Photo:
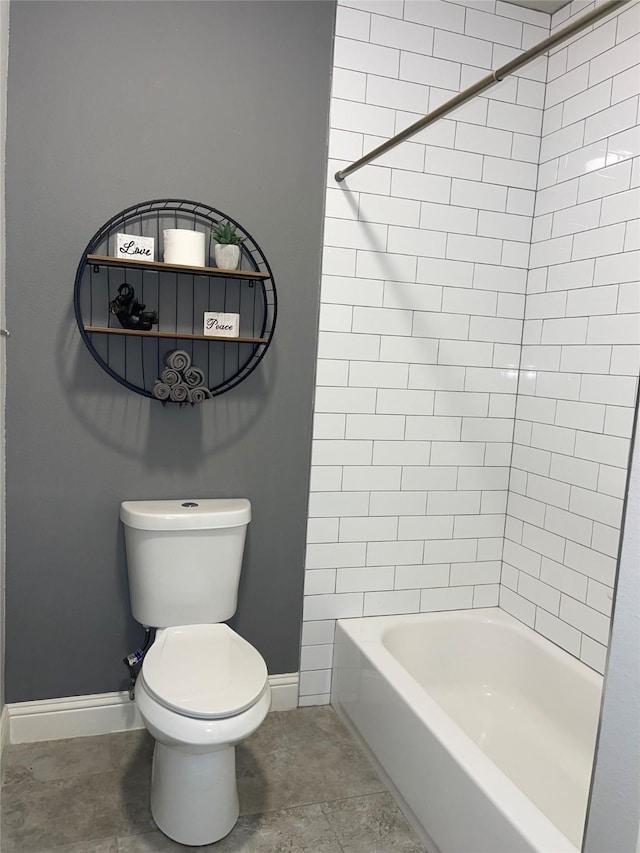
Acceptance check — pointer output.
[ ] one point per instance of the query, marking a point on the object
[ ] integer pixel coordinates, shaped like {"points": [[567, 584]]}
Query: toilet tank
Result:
{"points": [[184, 559]]}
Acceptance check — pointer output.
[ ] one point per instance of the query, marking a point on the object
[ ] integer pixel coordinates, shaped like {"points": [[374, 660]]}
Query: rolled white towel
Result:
{"points": [[161, 390], [170, 376], [177, 359], [193, 376], [179, 393]]}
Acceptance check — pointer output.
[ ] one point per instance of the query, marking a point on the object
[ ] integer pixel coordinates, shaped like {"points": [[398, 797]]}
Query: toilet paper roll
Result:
{"points": [[183, 247]]}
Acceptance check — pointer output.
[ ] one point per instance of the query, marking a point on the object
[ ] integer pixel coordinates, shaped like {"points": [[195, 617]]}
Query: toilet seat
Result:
{"points": [[204, 671]]}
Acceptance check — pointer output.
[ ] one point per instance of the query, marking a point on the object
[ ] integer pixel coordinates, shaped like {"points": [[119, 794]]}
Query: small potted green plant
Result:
{"points": [[227, 247]]}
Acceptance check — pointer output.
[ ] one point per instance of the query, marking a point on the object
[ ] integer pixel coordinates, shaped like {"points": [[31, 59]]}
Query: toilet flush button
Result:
{"points": [[189, 503]]}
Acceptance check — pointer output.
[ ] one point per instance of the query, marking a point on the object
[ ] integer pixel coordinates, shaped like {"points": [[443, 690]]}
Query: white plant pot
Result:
{"points": [[227, 256]]}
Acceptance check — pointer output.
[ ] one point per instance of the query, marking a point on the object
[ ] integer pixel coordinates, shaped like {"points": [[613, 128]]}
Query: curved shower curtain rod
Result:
{"points": [[484, 83]]}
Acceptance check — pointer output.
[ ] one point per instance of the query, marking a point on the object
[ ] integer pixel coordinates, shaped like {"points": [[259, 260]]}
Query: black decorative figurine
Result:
{"points": [[130, 312]]}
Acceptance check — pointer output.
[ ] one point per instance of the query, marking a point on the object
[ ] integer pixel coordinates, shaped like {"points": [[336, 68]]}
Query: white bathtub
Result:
{"points": [[485, 729]]}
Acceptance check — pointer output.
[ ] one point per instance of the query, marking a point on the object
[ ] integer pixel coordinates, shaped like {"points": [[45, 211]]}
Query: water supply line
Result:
{"points": [[133, 662], [484, 83]]}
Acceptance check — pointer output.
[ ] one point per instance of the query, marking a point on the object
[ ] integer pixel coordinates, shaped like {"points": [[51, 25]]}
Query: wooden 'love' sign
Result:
{"points": [[130, 246]]}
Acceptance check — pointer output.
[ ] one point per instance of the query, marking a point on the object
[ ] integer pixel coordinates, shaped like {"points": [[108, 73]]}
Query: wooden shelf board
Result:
{"points": [[105, 260], [180, 335]]}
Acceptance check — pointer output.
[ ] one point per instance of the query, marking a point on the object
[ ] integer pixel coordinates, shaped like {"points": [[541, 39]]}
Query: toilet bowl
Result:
{"points": [[202, 690]]}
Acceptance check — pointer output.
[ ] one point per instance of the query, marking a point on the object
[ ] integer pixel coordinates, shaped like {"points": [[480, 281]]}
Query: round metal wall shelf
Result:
{"points": [[180, 295]]}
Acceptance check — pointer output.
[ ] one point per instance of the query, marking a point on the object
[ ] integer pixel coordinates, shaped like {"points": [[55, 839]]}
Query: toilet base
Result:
{"points": [[194, 796]]}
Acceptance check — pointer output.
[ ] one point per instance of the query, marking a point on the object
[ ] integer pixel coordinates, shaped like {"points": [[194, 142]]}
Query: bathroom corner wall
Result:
{"points": [[613, 821], [4, 56], [424, 276], [580, 358]]}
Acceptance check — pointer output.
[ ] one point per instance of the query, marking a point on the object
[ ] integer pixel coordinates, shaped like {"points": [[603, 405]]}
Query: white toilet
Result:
{"points": [[202, 688]]}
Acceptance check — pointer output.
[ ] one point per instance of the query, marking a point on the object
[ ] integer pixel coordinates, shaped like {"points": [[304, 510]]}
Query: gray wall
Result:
{"points": [[110, 104]]}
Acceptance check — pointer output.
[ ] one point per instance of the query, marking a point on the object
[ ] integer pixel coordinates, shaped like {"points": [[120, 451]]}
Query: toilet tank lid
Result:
{"points": [[186, 514]]}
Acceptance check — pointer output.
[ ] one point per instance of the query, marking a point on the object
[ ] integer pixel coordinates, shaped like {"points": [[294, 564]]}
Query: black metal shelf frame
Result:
{"points": [[180, 295]]}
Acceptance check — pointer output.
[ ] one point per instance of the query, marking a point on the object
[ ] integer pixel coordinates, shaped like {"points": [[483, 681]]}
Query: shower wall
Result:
{"points": [[580, 357], [424, 278]]}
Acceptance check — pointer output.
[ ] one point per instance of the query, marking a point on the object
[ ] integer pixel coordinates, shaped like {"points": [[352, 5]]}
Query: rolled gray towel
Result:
{"points": [[170, 376], [179, 393], [193, 376], [161, 390], [198, 395], [177, 359]]}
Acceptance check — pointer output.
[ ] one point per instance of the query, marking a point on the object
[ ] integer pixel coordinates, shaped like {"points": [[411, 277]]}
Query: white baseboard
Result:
{"points": [[72, 716], [4, 739], [103, 713], [284, 691]]}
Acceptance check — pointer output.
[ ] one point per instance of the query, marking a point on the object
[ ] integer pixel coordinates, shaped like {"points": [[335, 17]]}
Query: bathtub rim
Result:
{"points": [[514, 806]]}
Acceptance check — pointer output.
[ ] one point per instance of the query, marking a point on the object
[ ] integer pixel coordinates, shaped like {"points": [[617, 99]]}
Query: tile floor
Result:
{"points": [[304, 784]]}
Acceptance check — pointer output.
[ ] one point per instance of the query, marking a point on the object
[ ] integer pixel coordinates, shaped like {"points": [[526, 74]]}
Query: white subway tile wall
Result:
{"points": [[575, 400], [426, 267], [424, 278]]}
